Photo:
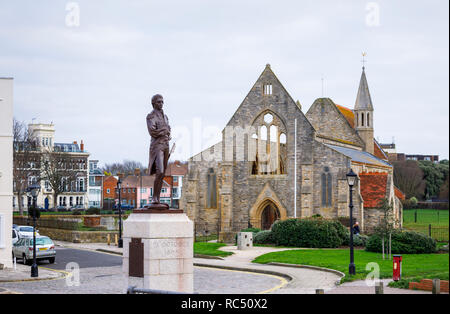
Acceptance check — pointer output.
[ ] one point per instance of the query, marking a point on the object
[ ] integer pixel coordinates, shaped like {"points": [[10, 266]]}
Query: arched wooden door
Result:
{"points": [[269, 215]]}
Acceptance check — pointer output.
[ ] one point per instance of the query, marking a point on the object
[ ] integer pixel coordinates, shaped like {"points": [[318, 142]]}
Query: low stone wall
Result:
{"points": [[78, 236], [66, 223], [65, 227]]}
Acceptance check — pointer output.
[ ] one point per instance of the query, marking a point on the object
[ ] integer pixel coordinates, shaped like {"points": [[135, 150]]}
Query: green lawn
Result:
{"points": [[426, 217], [439, 220], [414, 265], [211, 249]]}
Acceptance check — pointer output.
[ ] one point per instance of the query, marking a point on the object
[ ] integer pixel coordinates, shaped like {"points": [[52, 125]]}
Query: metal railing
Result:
{"points": [[134, 290]]}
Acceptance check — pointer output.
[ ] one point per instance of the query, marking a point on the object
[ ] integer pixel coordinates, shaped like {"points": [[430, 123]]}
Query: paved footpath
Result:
{"points": [[297, 280], [280, 279]]}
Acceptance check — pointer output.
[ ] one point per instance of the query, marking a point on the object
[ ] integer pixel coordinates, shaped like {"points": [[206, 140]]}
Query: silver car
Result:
{"points": [[15, 236], [45, 249], [26, 231]]}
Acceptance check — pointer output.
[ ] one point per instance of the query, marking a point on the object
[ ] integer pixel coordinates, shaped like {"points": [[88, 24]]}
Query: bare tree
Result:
{"points": [[62, 171], [26, 160], [408, 177], [386, 225], [127, 166]]}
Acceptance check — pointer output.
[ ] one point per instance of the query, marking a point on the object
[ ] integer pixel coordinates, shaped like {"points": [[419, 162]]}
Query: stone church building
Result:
{"points": [[277, 162]]}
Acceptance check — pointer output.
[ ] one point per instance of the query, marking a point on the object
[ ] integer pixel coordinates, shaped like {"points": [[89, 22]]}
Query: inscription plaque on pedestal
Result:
{"points": [[136, 264]]}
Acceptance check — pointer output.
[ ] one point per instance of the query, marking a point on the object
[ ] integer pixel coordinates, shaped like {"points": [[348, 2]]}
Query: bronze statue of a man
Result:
{"points": [[159, 129]]}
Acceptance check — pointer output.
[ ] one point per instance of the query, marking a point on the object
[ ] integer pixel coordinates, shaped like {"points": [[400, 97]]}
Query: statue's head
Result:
{"points": [[157, 101]]}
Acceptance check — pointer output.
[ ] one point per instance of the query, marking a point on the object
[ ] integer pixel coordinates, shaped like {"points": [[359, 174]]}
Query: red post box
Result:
{"points": [[397, 268]]}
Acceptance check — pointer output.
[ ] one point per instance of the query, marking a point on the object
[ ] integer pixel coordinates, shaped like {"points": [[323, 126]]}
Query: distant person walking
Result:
{"points": [[356, 228]]}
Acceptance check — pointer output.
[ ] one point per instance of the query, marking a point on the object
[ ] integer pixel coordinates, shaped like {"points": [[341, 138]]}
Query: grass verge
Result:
{"points": [[211, 249], [414, 265]]}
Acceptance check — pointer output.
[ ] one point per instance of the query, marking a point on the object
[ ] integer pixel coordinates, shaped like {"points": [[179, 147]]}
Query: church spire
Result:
{"points": [[364, 113], [363, 99]]}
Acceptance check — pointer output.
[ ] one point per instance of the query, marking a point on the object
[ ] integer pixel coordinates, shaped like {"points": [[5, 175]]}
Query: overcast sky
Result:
{"points": [[93, 74]]}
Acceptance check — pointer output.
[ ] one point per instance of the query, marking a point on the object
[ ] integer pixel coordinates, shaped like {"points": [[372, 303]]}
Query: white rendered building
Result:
{"points": [[6, 170], [75, 192]]}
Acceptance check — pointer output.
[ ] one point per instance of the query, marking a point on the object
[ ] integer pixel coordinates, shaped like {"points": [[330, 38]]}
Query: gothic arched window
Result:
{"points": [[270, 144], [326, 189], [211, 196]]}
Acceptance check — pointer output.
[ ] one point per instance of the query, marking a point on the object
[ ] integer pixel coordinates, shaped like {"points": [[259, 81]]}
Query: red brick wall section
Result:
{"points": [[427, 285], [111, 184]]}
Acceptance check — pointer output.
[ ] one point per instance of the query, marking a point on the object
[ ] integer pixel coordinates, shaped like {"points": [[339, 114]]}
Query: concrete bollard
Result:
{"points": [[108, 239], [244, 240], [436, 286], [116, 240], [379, 288]]}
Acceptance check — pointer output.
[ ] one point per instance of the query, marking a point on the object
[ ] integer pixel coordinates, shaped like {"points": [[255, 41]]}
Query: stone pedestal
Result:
{"points": [[158, 250], [244, 240]]}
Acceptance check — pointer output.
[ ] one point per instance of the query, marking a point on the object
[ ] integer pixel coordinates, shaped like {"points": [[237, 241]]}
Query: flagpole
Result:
{"points": [[295, 169]]}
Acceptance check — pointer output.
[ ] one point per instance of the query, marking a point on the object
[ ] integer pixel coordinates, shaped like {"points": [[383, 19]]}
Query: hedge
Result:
{"points": [[358, 240], [310, 232], [403, 242], [263, 237]]}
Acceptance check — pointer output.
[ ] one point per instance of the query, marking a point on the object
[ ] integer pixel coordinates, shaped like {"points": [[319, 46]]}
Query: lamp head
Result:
{"points": [[351, 178], [34, 189]]}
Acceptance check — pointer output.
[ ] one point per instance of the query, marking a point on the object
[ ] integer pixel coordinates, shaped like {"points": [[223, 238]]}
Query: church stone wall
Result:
{"points": [[329, 122], [239, 191], [326, 160], [247, 187]]}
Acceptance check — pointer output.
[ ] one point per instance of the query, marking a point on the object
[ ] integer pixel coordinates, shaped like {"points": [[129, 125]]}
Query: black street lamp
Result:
{"points": [[351, 180], [34, 191], [119, 186]]}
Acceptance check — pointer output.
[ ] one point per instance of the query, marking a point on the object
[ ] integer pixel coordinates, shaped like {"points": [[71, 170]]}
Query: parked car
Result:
{"points": [[26, 231], [124, 207], [15, 236], [43, 210], [77, 207], [61, 208], [45, 249], [15, 226]]}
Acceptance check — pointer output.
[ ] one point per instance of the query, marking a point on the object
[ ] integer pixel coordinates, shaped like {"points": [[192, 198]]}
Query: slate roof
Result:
{"points": [[67, 147], [360, 156]]}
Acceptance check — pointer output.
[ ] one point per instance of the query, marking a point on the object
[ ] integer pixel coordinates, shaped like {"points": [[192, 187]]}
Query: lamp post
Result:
{"points": [[34, 191], [119, 186], [351, 180]]}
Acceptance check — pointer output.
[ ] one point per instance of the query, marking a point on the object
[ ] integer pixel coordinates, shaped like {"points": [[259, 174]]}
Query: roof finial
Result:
{"points": [[364, 60], [322, 85]]}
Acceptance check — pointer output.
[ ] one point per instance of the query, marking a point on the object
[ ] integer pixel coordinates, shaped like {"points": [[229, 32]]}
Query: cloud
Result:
{"points": [[95, 81]]}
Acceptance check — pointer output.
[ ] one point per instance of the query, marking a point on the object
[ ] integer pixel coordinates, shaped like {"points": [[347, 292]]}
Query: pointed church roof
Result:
{"points": [[350, 116], [363, 99]]}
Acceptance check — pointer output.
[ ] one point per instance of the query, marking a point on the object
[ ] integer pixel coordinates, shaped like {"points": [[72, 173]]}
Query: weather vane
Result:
{"points": [[364, 59]]}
